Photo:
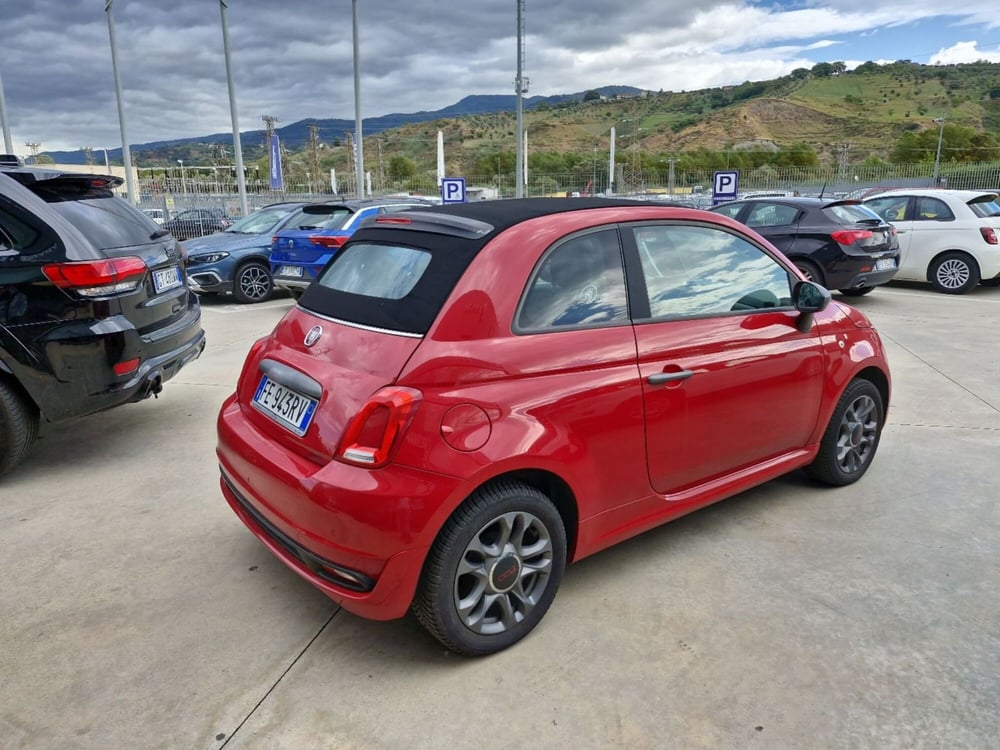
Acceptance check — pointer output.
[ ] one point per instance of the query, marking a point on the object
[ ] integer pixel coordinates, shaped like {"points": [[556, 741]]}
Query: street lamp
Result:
{"points": [[937, 156], [184, 186]]}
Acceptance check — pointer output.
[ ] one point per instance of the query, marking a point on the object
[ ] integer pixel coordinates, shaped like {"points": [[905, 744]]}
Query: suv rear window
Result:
{"points": [[320, 217], [102, 217]]}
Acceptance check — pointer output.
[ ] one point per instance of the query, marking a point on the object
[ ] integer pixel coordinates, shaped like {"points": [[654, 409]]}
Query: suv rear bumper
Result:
{"points": [[76, 377]]}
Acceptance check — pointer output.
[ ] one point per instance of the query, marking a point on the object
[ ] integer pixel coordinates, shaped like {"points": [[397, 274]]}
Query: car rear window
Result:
{"points": [[851, 213], [391, 279], [110, 222], [320, 217], [377, 271], [985, 208]]}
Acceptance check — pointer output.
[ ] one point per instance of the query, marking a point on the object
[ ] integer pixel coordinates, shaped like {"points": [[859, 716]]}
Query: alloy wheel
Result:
{"points": [[503, 573], [254, 283], [858, 434]]}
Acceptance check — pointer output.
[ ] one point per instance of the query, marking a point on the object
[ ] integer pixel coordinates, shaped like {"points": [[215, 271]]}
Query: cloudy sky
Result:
{"points": [[293, 58]]}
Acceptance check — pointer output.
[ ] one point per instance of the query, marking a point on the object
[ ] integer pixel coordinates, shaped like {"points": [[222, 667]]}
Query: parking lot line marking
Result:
{"points": [[931, 293]]}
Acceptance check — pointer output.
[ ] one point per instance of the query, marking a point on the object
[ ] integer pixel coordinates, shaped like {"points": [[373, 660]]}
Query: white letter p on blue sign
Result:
{"points": [[453, 190]]}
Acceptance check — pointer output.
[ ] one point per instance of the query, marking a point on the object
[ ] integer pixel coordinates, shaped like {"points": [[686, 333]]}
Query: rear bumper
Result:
{"points": [[288, 283], [862, 279], [359, 535]]}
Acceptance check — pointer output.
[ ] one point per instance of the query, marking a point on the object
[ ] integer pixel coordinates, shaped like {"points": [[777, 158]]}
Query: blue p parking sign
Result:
{"points": [[453, 190], [725, 186]]}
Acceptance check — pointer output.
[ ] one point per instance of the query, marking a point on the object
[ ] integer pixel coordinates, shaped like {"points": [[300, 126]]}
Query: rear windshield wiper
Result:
{"points": [[158, 234]]}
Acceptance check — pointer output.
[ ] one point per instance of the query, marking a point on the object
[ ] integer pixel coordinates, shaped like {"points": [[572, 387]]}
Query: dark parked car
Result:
{"points": [[197, 222], [472, 396], [94, 308], [840, 244], [237, 260], [298, 253]]}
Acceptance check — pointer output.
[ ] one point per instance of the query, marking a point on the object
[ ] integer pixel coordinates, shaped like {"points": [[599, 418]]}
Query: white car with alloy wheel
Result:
{"points": [[950, 238]]}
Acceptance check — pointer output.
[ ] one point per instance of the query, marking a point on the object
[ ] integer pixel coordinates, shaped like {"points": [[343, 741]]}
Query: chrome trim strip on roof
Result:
{"points": [[362, 327]]}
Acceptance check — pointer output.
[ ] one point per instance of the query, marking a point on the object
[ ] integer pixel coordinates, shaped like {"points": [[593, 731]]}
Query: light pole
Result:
{"points": [[126, 153], [937, 156], [8, 143], [359, 161], [241, 184], [184, 186]]}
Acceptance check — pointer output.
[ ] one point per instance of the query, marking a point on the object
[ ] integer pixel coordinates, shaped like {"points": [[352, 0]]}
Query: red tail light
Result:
{"points": [[98, 278], [989, 234], [376, 430], [327, 241], [126, 367], [393, 220], [850, 236]]}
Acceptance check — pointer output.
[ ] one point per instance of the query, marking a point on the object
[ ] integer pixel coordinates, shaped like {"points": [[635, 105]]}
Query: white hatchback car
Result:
{"points": [[950, 238]]}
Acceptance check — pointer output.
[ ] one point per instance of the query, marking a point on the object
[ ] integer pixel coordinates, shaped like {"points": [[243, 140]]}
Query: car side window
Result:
{"points": [[771, 215], [892, 208], [581, 282], [695, 271], [16, 237], [933, 209]]}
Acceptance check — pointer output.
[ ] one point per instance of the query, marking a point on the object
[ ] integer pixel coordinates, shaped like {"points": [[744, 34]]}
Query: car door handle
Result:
{"points": [[668, 377]]}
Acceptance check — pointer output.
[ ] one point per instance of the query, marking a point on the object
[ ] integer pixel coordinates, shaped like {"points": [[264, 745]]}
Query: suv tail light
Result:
{"points": [[98, 278], [372, 435], [989, 234], [328, 241], [850, 236]]}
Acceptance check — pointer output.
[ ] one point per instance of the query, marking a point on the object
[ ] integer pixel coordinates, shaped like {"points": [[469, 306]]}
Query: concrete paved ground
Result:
{"points": [[138, 611]]}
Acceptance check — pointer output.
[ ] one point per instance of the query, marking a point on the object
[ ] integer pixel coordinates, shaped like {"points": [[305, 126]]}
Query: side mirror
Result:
{"points": [[808, 298]]}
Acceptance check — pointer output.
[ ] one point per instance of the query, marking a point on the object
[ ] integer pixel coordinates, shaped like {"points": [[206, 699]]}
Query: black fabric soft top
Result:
{"points": [[451, 253]]}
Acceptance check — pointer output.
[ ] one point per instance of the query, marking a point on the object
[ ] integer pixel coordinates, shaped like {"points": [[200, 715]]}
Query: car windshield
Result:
{"points": [[379, 271], [985, 208], [263, 221], [851, 213]]}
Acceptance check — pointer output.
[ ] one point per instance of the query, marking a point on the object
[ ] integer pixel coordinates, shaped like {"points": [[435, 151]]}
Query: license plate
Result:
{"points": [[885, 264], [291, 409], [289, 270], [166, 278]]}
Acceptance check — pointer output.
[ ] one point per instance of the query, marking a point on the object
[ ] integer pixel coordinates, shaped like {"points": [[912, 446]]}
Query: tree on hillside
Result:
{"points": [[822, 70], [402, 167], [591, 96]]}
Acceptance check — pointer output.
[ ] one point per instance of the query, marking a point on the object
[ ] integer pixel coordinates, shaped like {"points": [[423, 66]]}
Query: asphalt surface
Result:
{"points": [[138, 612]]}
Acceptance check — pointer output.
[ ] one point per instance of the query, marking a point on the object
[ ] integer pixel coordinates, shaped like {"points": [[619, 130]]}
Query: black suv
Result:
{"points": [[94, 306]]}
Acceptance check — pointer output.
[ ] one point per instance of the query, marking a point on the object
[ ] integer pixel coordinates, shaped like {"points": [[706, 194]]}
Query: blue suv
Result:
{"points": [[299, 253], [236, 260]]}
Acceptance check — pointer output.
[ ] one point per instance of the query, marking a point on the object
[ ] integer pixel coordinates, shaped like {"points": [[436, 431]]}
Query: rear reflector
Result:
{"points": [[850, 236], [393, 220], [327, 241], [129, 365], [989, 234], [98, 278], [373, 434]]}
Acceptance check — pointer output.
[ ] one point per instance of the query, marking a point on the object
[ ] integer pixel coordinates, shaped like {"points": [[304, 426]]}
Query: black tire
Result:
{"points": [[857, 292], [810, 270], [852, 436], [954, 273], [18, 425], [252, 283], [494, 569]]}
